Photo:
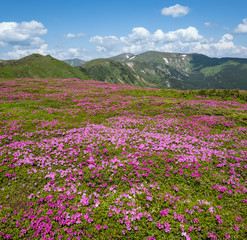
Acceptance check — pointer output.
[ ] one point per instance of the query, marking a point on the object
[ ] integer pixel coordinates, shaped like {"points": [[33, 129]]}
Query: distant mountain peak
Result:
{"points": [[75, 62], [123, 57], [32, 56]]}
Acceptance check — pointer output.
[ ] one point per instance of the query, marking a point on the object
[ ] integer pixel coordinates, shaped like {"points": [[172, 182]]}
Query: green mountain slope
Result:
{"points": [[176, 70], [111, 71], [38, 66], [123, 57], [181, 62], [149, 69], [225, 73]]}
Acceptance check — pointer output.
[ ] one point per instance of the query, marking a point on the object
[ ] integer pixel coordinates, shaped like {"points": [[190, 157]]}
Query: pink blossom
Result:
{"points": [[236, 228], [97, 227], [149, 198], [195, 220], [164, 212], [190, 228], [160, 226], [211, 209], [227, 235], [239, 219], [151, 238], [167, 227], [84, 200]]}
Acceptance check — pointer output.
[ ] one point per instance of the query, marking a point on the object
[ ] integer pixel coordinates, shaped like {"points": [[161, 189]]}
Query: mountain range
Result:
{"points": [[170, 70], [149, 69]]}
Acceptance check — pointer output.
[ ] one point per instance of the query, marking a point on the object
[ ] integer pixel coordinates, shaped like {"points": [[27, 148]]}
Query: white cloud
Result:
{"points": [[71, 53], [176, 11], [105, 40], [159, 35], [185, 40], [242, 27], [138, 34], [101, 49], [187, 35], [105, 44], [227, 38], [24, 33], [19, 52], [72, 35], [141, 36], [76, 52], [22, 39]]}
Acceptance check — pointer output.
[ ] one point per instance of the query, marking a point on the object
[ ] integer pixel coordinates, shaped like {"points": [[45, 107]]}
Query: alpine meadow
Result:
{"points": [[123, 120], [83, 159]]}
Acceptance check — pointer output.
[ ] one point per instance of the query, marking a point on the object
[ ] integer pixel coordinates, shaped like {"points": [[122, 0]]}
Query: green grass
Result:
{"points": [[38, 66], [210, 71]]}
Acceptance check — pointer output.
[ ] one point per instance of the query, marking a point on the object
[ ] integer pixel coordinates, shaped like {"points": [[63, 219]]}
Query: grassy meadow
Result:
{"points": [[91, 160]]}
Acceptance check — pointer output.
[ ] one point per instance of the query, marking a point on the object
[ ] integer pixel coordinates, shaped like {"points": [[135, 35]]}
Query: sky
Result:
{"points": [[89, 29]]}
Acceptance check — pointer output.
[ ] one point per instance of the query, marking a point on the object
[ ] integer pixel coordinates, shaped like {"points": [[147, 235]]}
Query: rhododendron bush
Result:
{"points": [[91, 160]]}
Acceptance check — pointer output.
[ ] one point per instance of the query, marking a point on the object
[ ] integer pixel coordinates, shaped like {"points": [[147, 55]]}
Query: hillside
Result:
{"points": [[84, 159], [149, 69], [175, 70], [38, 66], [123, 57], [111, 71]]}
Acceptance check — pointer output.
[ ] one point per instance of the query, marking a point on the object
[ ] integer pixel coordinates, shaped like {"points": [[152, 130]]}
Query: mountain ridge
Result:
{"points": [[182, 71], [149, 69]]}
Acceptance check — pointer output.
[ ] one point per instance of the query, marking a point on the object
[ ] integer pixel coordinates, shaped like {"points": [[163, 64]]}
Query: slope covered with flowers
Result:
{"points": [[90, 160]]}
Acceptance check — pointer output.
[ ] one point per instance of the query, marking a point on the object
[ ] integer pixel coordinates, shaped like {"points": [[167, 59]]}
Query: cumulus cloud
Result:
{"points": [[24, 33], [242, 27], [138, 34], [22, 39], [184, 40], [189, 34], [73, 35], [176, 11], [71, 53], [19, 52], [105, 44]]}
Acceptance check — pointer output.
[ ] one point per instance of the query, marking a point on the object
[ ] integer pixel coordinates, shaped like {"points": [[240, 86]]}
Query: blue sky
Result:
{"points": [[90, 29]]}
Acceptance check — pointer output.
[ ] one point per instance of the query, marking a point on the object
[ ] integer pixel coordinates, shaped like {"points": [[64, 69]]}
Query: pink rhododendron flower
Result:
{"points": [[236, 228], [167, 227], [160, 226], [84, 200]]}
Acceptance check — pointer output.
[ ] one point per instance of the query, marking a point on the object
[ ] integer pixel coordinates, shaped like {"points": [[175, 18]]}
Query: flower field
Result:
{"points": [[91, 160]]}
